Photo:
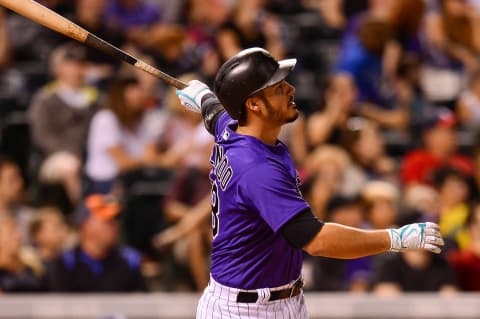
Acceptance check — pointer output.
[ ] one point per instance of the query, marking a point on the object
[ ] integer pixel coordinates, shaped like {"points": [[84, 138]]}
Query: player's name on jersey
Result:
{"points": [[223, 171]]}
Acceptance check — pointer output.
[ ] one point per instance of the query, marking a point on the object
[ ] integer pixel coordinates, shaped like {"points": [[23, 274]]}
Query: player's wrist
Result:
{"points": [[200, 95], [191, 96], [395, 239]]}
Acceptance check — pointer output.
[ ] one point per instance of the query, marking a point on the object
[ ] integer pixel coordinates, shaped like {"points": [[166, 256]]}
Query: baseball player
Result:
{"points": [[261, 224]]}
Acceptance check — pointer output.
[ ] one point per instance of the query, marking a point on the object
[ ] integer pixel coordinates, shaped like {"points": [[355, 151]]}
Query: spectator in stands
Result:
{"points": [[151, 85], [171, 9], [90, 14], [468, 104], [11, 195], [330, 11], [98, 263], [250, 26], [364, 10], [132, 15], [453, 189], [187, 143], [365, 143], [24, 48], [466, 262], [381, 204], [405, 17], [142, 23], [5, 49], [351, 9], [317, 192], [189, 149], [346, 210], [63, 7], [294, 135], [476, 165], [361, 56], [380, 200], [341, 275], [327, 125], [334, 165], [20, 269], [440, 149], [420, 202], [204, 18], [59, 116], [408, 84], [49, 233], [31, 44], [455, 32], [452, 45], [413, 271], [192, 249], [119, 139], [203, 23]]}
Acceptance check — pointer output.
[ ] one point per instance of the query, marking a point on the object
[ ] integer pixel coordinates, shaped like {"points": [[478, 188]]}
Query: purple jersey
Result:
{"points": [[254, 193]]}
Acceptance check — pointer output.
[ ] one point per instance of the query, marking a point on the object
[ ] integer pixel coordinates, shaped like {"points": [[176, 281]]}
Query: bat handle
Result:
{"points": [[175, 83], [170, 80]]}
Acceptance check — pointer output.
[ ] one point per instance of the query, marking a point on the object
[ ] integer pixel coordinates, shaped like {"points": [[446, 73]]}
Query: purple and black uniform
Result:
{"points": [[255, 191], [260, 221]]}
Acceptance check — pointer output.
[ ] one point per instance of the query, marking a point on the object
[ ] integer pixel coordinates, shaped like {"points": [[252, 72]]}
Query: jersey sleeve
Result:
{"points": [[221, 124], [270, 191], [211, 110]]}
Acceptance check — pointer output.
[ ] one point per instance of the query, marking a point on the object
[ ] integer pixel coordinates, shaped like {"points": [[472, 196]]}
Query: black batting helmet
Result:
{"points": [[245, 74]]}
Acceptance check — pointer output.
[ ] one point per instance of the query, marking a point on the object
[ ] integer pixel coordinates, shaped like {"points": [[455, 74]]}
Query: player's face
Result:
{"points": [[279, 105]]}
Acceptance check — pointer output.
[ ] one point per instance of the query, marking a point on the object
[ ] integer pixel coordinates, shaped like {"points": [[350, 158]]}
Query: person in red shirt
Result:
{"points": [[440, 149], [466, 263]]}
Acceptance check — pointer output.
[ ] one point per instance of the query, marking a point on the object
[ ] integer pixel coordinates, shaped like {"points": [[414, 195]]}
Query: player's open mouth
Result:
{"points": [[291, 103]]}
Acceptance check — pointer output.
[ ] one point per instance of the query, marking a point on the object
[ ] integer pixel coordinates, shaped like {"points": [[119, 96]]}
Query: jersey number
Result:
{"points": [[215, 210]]}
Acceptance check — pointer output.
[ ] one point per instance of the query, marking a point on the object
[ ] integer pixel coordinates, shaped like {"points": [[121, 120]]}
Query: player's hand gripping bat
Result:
{"points": [[42, 15]]}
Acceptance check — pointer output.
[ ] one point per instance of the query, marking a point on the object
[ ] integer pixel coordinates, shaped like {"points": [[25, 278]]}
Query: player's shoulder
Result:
{"points": [[248, 149], [221, 126], [265, 168]]}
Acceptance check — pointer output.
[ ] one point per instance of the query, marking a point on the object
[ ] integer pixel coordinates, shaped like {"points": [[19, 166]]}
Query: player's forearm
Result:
{"points": [[211, 110], [338, 241]]}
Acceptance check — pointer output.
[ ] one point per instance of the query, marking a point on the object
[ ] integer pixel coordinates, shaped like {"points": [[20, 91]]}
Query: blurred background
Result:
{"points": [[104, 176]]}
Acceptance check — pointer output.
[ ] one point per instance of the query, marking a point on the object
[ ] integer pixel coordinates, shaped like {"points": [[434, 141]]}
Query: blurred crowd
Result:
{"points": [[104, 176]]}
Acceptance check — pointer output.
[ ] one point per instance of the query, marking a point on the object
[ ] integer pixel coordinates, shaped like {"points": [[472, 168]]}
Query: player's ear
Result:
{"points": [[252, 103]]}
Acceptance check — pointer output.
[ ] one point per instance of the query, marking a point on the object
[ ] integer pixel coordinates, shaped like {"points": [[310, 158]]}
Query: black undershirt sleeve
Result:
{"points": [[211, 110], [301, 229]]}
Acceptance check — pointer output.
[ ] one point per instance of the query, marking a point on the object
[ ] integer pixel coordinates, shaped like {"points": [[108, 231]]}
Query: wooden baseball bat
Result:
{"points": [[42, 15]]}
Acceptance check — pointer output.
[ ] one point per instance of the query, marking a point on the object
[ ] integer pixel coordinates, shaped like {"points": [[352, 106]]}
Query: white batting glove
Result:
{"points": [[416, 236], [191, 96]]}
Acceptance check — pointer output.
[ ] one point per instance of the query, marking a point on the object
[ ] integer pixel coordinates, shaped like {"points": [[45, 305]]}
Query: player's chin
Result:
{"points": [[292, 117]]}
